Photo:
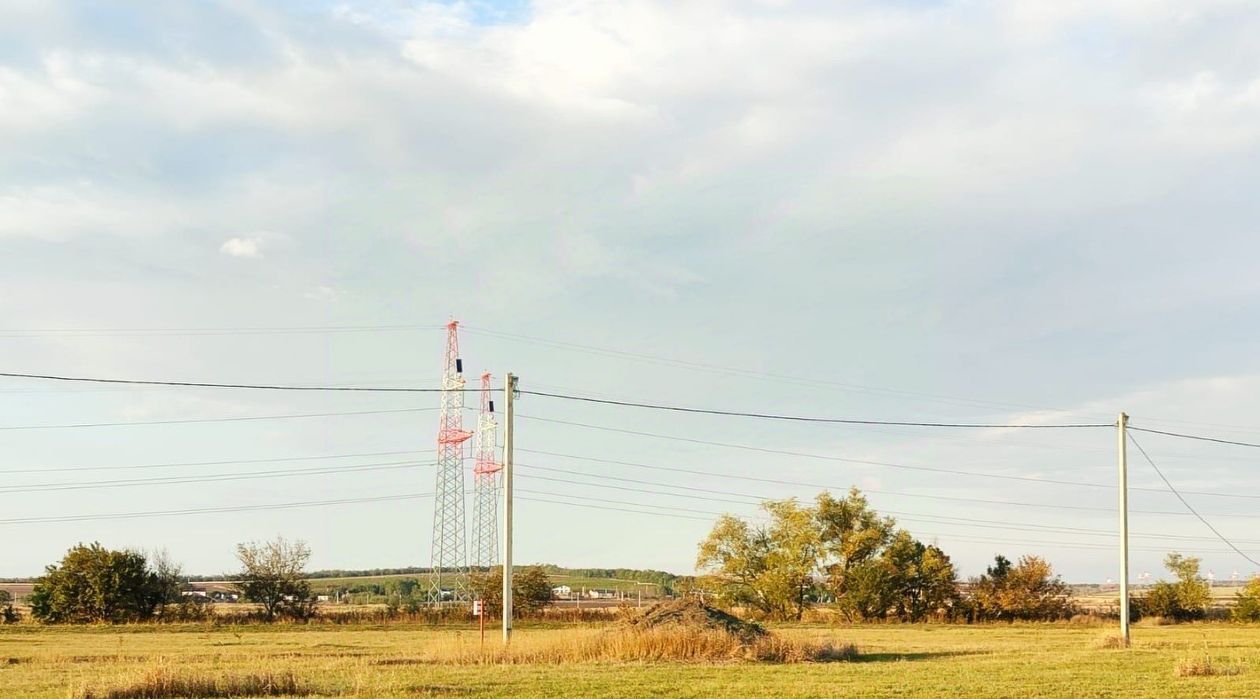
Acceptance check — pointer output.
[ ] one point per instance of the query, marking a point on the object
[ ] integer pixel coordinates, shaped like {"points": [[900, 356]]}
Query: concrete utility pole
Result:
{"points": [[1122, 437], [509, 434]]}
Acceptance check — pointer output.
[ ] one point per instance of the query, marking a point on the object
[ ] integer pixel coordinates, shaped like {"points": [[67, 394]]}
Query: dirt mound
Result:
{"points": [[689, 612]]}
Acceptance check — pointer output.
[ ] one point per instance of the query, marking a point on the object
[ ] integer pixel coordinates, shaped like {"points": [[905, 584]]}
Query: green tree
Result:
{"points": [[1248, 606], [869, 568], [924, 578], [95, 584], [531, 590], [868, 594], [909, 580], [769, 568], [273, 574], [851, 534], [1184, 600]]}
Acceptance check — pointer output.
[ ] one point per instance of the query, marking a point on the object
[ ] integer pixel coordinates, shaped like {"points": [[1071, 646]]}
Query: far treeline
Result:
{"points": [[840, 553], [93, 584]]}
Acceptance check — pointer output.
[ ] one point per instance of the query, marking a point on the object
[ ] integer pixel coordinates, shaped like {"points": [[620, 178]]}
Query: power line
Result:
{"points": [[605, 507], [622, 507], [863, 462], [799, 380], [1196, 437], [200, 384], [210, 510], [801, 418], [1190, 507], [867, 462], [198, 332], [747, 373], [562, 396], [781, 481], [208, 463], [964, 538], [214, 419], [905, 516], [179, 480]]}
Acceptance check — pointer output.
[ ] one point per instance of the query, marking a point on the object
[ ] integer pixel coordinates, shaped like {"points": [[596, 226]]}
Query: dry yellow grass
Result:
{"points": [[163, 681], [1111, 641], [1204, 667], [666, 644]]}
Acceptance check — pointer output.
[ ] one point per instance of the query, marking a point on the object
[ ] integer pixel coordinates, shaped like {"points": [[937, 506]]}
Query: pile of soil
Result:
{"points": [[690, 612]]}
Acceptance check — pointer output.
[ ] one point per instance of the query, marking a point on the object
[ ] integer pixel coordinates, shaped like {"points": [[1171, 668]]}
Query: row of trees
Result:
{"points": [[93, 584], [841, 551]]}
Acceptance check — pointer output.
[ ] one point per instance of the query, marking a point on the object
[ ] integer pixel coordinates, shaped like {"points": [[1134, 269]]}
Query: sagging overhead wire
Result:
{"points": [[563, 396], [224, 462], [865, 491], [179, 480], [199, 332], [210, 510], [807, 455], [802, 418], [903, 516], [204, 384], [867, 462], [1196, 437], [1190, 507], [690, 512], [189, 421]]}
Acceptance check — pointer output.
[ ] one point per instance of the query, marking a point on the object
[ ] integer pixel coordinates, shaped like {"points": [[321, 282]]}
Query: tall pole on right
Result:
{"points": [[1122, 444], [509, 435]]}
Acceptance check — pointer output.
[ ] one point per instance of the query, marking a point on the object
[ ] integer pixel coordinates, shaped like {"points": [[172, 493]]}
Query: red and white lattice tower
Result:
{"points": [[450, 564], [485, 537]]}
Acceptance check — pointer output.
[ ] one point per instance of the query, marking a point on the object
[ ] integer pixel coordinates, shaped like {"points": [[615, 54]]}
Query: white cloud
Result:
{"points": [[242, 247]]}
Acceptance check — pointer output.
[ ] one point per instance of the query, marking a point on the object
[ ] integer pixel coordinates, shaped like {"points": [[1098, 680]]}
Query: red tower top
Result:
{"points": [[451, 428], [487, 432]]}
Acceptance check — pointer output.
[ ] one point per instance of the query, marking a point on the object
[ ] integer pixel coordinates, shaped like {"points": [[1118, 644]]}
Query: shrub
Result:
{"points": [[1184, 600], [95, 584], [8, 614], [1111, 640], [1204, 667], [531, 590], [1248, 602], [1026, 591]]}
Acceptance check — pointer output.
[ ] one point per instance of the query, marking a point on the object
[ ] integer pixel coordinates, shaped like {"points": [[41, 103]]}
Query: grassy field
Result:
{"points": [[408, 661]]}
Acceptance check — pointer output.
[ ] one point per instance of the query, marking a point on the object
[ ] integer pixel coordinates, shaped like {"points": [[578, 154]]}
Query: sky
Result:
{"points": [[991, 212]]}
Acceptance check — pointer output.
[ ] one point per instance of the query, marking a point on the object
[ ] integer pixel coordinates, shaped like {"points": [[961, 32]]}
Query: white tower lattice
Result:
{"points": [[485, 539], [449, 580]]}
